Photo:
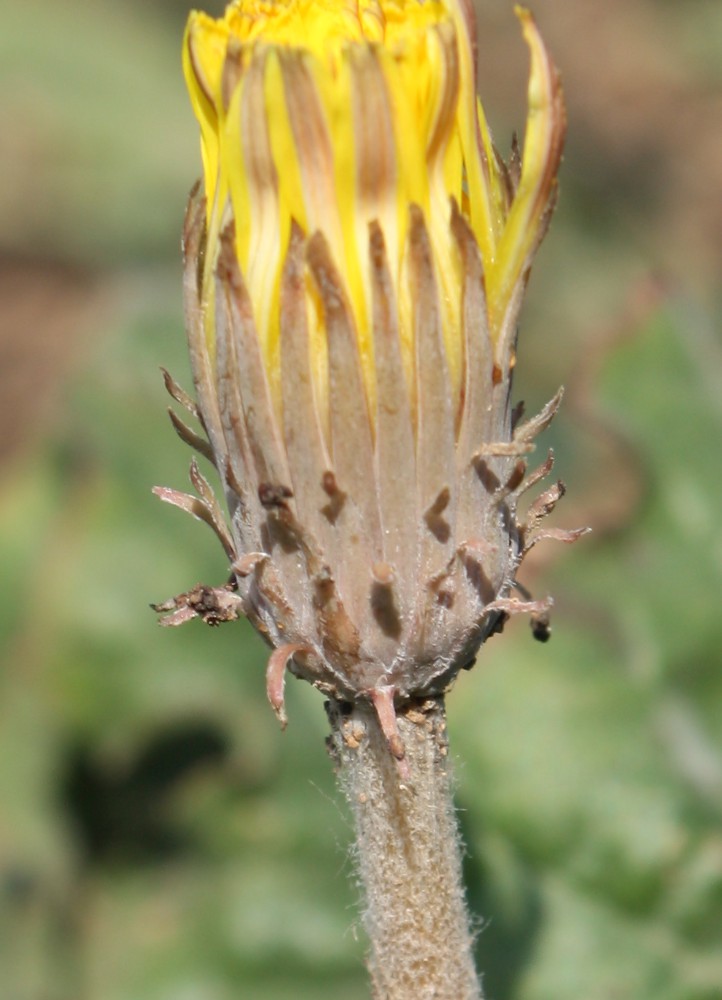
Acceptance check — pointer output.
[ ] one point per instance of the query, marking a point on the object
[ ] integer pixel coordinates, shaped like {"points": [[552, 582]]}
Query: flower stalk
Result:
{"points": [[408, 853]]}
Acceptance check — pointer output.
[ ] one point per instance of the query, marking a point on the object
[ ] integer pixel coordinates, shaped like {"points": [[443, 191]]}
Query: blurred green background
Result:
{"points": [[159, 837]]}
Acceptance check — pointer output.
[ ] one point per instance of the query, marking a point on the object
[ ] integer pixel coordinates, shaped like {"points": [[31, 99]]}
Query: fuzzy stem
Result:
{"points": [[408, 850]]}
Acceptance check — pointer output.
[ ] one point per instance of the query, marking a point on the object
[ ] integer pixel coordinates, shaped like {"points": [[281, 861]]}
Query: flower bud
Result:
{"points": [[353, 277]]}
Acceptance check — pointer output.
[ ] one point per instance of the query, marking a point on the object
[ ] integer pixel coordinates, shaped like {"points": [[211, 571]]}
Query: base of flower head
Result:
{"points": [[406, 683], [374, 551]]}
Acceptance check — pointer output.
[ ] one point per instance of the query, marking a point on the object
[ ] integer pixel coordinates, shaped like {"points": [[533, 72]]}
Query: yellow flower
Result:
{"points": [[353, 280], [336, 114]]}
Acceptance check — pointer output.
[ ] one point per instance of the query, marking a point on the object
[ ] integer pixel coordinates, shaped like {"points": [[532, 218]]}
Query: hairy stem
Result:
{"points": [[408, 853]]}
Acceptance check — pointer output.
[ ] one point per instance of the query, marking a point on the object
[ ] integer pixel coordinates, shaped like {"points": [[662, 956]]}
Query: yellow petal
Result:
{"points": [[543, 144], [204, 50]]}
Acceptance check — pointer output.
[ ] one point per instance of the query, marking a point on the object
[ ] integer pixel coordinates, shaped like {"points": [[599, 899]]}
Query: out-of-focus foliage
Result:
{"points": [[159, 837]]}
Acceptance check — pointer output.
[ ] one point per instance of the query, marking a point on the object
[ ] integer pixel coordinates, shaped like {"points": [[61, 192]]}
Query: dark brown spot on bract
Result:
{"points": [[438, 525], [336, 496], [384, 609], [274, 494], [516, 477], [489, 479]]}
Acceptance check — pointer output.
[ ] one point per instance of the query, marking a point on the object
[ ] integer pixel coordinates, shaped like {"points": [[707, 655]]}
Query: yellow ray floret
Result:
{"points": [[333, 114]]}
